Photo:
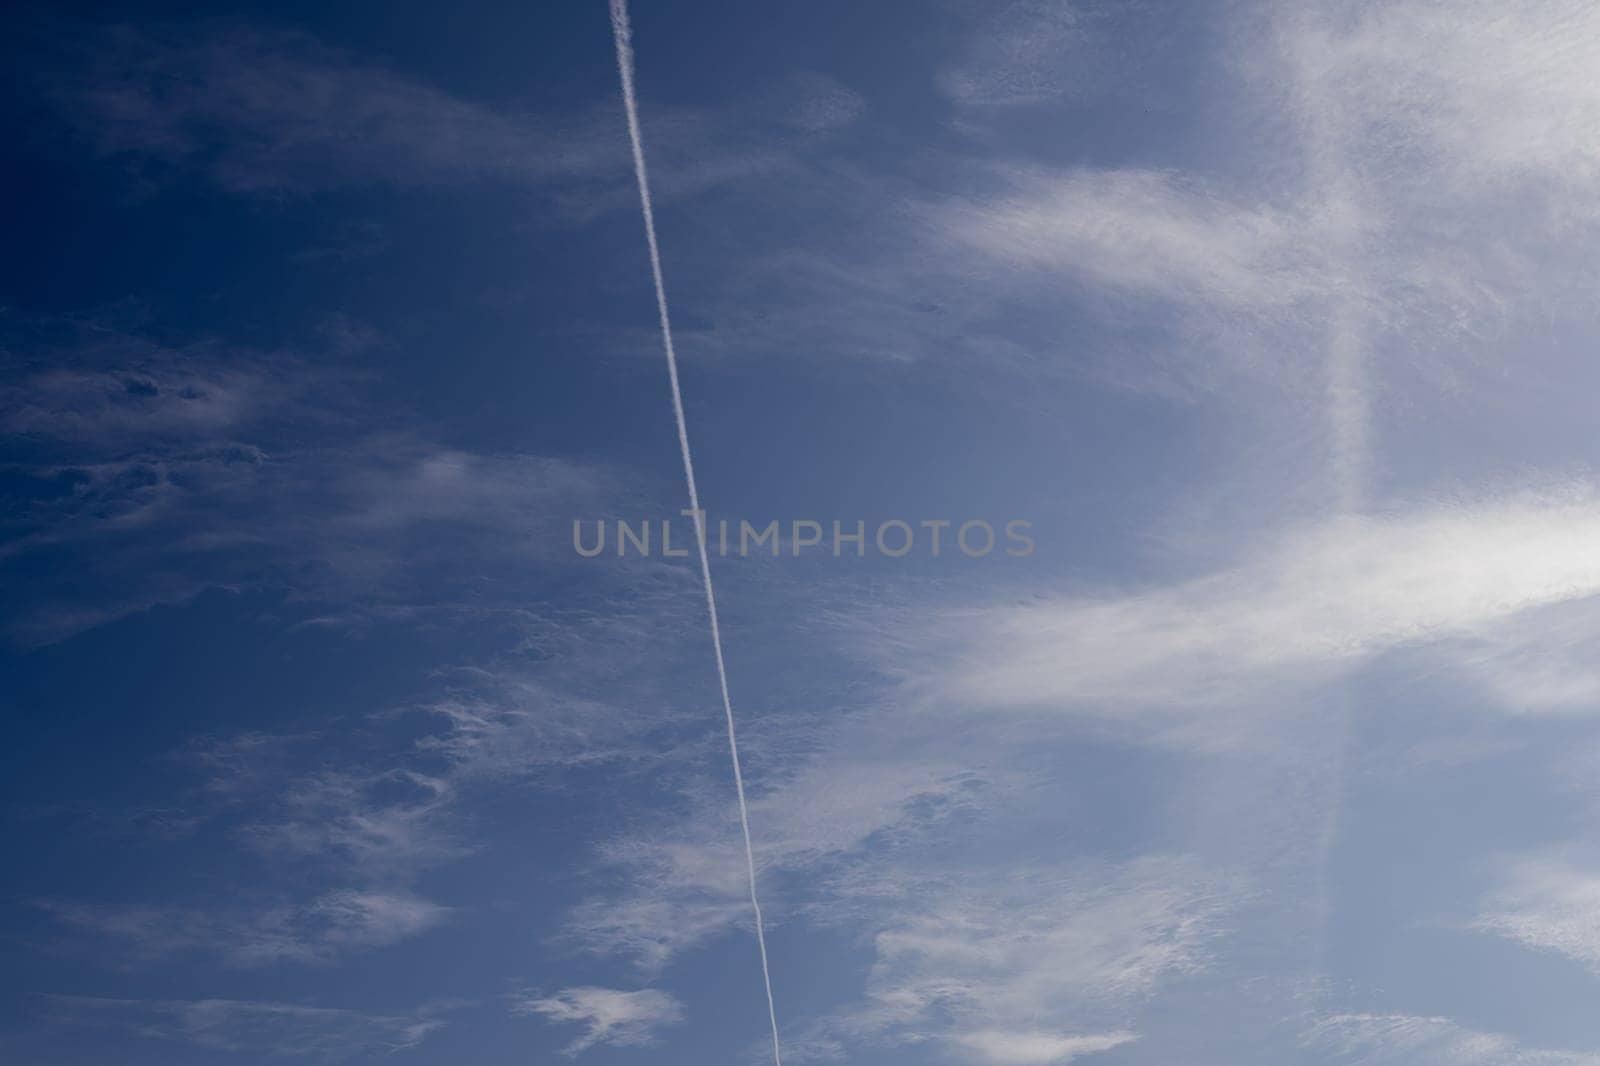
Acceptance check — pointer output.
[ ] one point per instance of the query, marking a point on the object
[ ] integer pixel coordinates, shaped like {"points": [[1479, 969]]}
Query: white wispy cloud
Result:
{"points": [[276, 110], [1318, 602], [609, 1016], [872, 784], [380, 825], [1542, 665], [1484, 98], [822, 104], [1426, 1041], [1547, 903], [1028, 964], [1146, 232], [501, 723], [358, 813], [1024, 52], [320, 931], [256, 1026], [1032, 1048], [174, 470], [262, 112], [1358, 259]]}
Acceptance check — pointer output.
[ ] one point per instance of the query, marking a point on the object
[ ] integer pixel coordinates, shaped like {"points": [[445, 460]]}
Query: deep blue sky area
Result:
{"points": [[323, 326]]}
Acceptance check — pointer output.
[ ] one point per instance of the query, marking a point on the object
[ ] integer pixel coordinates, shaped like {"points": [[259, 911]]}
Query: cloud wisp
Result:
{"points": [[1312, 606], [1031, 966], [269, 113], [185, 469], [1428, 1041], [322, 931], [256, 1026], [610, 1017], [1547, 904]]}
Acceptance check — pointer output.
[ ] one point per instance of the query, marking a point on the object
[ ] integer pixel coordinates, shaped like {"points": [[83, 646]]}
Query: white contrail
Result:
{"points": [[1343, 199], [623, 33]]}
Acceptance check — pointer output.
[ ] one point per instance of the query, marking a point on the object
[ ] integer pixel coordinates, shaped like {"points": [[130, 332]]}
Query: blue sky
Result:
{"points": [[321, 327]]}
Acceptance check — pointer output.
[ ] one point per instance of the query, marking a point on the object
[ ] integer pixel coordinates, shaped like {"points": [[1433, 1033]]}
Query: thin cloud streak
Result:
{"points": [[1303, 610], [257, 1027], [610, 1017], [623, 34], [1548, 904], [1417, 1040], [320, 932], [1030, 965]]}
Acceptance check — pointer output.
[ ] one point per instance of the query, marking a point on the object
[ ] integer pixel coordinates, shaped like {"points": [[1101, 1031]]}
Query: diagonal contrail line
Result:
{"points": [[622, 31]]}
